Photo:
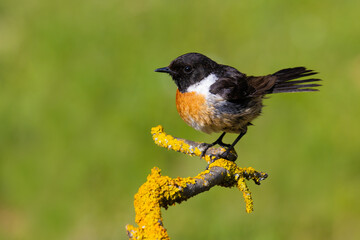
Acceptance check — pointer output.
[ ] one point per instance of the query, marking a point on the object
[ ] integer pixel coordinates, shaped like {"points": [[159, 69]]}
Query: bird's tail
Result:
{"points": [[285, 80]]}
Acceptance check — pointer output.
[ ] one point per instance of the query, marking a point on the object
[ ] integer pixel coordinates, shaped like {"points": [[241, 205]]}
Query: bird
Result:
{"points": [[213, 97]]}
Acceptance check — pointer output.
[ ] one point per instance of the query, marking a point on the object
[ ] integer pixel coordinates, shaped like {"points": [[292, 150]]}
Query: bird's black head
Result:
{"points": [[189, 69]]}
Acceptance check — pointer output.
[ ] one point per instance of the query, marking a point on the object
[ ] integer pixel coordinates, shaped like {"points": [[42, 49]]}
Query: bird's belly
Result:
{"points": [[211, 114], [206, 115], [194, 110]]}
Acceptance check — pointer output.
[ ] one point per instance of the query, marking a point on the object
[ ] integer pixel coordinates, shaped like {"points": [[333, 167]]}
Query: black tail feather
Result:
{"points": [[283, 81], [299, 81]]}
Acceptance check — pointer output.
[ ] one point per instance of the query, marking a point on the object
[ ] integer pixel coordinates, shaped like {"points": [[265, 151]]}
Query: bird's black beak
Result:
{"points": [[164, 70]]}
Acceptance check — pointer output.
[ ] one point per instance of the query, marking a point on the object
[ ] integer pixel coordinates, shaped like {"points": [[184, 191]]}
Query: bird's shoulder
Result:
{"points": [[231, 84]]}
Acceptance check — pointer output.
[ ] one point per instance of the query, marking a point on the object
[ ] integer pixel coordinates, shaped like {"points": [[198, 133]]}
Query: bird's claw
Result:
{"points": [[228, 154], [206, 146]]}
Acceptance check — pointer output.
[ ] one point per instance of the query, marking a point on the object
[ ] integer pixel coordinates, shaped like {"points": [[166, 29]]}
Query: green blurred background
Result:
{"points": [[78, 96]]}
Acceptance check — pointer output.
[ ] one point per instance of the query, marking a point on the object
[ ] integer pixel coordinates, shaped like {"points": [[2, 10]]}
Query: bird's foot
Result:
{"points": [[206, 146], [228, 154], [217, 142]]}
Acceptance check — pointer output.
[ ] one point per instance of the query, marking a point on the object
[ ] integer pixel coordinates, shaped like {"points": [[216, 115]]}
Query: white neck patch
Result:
{"points": [[203, 86]]}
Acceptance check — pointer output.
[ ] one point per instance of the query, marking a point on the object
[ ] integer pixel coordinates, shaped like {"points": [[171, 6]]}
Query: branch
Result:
{"points": [[186, 146], [162, 191]]}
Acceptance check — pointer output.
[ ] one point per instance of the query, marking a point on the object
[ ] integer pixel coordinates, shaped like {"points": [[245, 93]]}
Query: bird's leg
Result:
{"points": [[218, 141], [226, 153], [221, 143]]}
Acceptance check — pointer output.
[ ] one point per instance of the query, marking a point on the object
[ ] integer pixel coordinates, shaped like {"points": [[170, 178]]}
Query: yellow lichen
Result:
{"points": [[241, 184], [161, 191], [167, 141], [153, 195], [147, 209]]}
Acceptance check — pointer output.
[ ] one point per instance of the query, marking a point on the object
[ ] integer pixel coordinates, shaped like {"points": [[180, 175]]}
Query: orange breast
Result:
{"points": [[193, 109]]}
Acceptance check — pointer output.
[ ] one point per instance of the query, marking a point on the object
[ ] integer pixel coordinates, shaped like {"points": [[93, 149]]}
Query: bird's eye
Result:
{"points": [[187, 69]]}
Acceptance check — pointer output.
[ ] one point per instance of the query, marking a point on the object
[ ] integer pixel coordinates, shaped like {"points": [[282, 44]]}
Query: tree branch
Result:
{"points": [[162, 191]]}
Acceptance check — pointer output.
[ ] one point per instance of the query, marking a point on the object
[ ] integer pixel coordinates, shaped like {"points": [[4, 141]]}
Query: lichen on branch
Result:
{"points": [[162, 191]]}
